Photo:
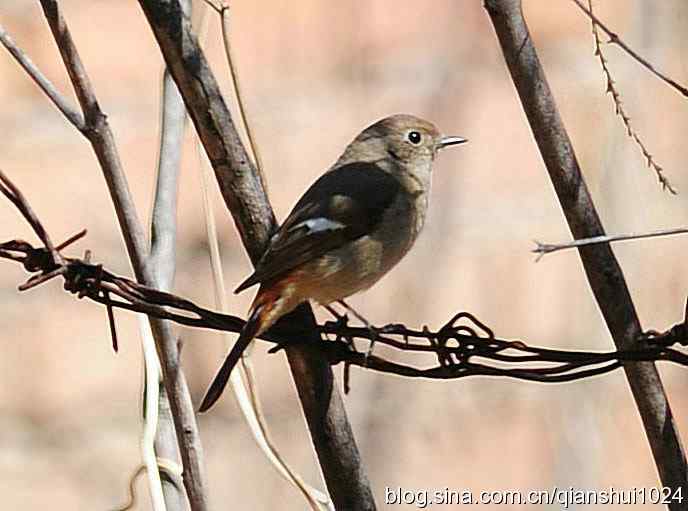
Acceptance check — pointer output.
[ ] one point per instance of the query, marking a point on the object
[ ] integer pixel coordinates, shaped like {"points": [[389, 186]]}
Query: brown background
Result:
{"points": [[314, 74]]}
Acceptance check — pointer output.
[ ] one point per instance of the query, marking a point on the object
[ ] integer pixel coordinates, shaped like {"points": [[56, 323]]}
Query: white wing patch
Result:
{"points": [[319, 224]]}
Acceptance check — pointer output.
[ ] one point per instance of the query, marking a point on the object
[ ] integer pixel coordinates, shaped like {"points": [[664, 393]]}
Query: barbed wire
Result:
{"points": [[464, 346]]}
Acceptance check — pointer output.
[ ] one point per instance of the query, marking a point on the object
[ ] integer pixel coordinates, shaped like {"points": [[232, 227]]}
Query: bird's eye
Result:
{"points": [[414, 137]]}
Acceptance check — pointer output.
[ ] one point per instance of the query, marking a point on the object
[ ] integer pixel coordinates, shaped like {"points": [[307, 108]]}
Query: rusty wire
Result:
{"points": [[464, 346]]}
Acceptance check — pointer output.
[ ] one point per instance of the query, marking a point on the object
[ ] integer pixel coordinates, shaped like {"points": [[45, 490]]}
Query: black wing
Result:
{"points": [[342, 205]]}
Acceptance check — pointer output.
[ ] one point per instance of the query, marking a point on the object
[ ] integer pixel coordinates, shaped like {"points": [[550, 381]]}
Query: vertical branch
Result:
{"points": [[601, 267], [100, 136], [162, 258], [164, 217], [246, 199]]}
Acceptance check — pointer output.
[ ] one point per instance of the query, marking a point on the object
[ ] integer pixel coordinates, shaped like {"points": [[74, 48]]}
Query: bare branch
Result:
{"points": [[615, 39], [621, 111], [602, 269], [162, 258], [164, 217], [17, 198], [43, 83], [224, 19], [543, 249], [246, 199], [99, 134]]}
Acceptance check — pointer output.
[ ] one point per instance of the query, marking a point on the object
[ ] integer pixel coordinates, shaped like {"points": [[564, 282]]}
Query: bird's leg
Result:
{"points": [[355, 313], [373, 330], [341, 320]]}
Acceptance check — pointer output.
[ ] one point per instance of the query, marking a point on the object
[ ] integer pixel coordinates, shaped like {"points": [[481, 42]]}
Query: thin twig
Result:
{"points": [[615, 39], [99, 135], [247, 393], [150, 416], [171, 473], [543, 249], [15, 195], [243, 382], [43, 83], [621, 111], [131, 490], [223, 10]]}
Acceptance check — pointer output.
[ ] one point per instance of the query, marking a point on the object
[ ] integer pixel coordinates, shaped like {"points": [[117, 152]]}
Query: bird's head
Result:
{"points": [[400, 143]]}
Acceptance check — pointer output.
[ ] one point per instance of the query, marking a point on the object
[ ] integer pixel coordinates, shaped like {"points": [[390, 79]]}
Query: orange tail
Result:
{"points": [[263, 313]]}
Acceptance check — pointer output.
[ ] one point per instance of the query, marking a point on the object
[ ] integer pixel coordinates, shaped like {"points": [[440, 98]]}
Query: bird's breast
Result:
{"points": [[362, 262]]}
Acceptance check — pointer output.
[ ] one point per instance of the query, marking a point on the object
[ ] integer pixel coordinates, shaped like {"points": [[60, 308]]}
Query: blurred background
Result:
{"points": [[314, 74]]}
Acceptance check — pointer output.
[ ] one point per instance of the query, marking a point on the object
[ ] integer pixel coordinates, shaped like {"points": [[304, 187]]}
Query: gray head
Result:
{"points": [[400, 143]]}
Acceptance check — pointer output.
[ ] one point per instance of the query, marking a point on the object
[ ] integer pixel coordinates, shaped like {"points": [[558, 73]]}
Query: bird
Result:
{"points": [[352, 226]]}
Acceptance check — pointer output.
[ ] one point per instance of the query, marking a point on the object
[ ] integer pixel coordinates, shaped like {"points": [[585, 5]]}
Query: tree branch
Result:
{"points": [[246, 199], [43, 83], [601, 267], [162, 258], [621, 111], [542, 249], [615, 39], [98, 132]]}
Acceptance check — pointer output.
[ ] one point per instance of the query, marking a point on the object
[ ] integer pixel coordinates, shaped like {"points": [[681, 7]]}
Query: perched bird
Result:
{"points": [[347, 231]]}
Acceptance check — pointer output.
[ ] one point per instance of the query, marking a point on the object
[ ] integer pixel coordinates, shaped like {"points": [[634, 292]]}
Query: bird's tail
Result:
{"points": [[262, 314]]}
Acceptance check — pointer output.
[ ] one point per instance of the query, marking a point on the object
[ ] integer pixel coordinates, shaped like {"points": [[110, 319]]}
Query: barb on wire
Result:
{"points": [[464, 346], [15, 196], [616, 96]]}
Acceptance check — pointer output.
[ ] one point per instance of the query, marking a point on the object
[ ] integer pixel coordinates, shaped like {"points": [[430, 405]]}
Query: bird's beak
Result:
{"points": [[447, 141]]}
